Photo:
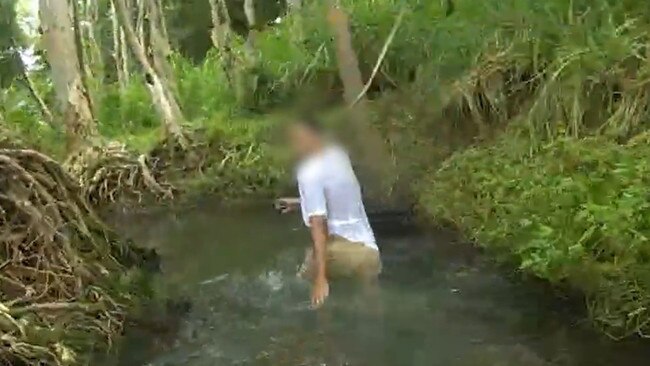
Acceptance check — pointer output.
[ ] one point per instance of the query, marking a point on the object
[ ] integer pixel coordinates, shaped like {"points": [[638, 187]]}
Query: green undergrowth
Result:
{"points": [[242, 158], [575, 213], [456, 75]]}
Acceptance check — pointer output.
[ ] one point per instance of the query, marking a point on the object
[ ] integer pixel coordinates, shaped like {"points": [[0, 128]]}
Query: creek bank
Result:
{"points": [[220, 161], [67, 282], [574, 214]]}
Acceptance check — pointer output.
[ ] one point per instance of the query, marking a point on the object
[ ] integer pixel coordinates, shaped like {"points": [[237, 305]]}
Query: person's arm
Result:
{"points": [[319, 235], [314, 213]]}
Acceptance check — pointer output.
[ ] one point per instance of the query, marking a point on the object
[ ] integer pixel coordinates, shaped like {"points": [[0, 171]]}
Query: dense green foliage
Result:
{"points": [[513, 118], [575, 213]]}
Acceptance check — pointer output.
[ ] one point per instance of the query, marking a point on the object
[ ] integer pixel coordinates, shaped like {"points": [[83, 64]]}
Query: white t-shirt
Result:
{"points": [[328, 187]]}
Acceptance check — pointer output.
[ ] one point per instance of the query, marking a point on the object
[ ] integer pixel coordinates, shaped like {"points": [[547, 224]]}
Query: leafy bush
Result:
{"points": [[22, 118], [242, 161], [127, 115], [203, 90], [574, 213]]}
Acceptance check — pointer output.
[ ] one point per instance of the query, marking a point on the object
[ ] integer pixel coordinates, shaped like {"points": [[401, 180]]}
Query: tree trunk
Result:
{"points": [[61, 53], [163, 19], [220, 27], [372, 149], [80, 42], [161, 94], [120, 53], [82, 52], [220, 36], [139, 23], [160, 47], [345, 55], [126, 72], [249, 10], [91, 16], [159, 26]]}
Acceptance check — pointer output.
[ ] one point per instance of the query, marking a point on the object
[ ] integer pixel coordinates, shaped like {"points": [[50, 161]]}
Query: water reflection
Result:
{"points": [[440, 304]]}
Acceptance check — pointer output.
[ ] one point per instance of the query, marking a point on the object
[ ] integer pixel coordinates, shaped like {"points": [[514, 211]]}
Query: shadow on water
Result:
{"points": [[440, 303]]}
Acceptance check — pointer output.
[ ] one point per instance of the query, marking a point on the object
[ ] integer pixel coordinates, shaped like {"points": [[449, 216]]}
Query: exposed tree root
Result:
{"points": [[59, 266], [111, 173], [173, 155]]}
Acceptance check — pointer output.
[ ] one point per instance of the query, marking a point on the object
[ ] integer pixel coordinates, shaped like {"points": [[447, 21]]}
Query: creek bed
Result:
{"points": [[440, 302]]}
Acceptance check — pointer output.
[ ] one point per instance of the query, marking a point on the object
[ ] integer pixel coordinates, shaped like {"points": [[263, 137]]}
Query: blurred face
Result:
{"points": [[303, 140]]}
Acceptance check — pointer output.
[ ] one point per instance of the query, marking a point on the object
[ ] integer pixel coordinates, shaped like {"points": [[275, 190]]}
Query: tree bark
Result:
{"points": [[78, 38], [91, 16], [157, 27], [249, 10], [372, 148], [120, 53], [139, 23], [163, 98], [61, 53], [160, 47], [220, 35], [82, 52]]}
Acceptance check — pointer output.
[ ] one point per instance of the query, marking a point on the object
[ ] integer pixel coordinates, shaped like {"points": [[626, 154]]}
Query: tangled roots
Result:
{"points": [[111, 173], [174, 157], [57, 266]]}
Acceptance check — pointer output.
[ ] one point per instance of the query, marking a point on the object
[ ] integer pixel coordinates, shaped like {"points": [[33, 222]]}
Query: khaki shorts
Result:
{"points": [[345, 259]]}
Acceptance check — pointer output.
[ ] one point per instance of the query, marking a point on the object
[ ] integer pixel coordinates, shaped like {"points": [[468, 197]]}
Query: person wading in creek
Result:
{"points": [[332, 208]]}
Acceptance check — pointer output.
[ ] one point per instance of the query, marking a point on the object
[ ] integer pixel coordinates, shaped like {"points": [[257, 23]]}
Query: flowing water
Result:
{"points": [[440, 303]]}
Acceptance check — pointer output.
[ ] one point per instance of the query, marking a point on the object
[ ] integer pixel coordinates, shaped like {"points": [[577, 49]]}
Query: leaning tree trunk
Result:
{"points": [[160, 48], [61, 53], [163, 98], [163, 20], [375, 156]]}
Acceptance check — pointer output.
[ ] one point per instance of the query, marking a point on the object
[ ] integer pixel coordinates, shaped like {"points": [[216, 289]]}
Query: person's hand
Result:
{"points": [[286, 205], [319, 292]]}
